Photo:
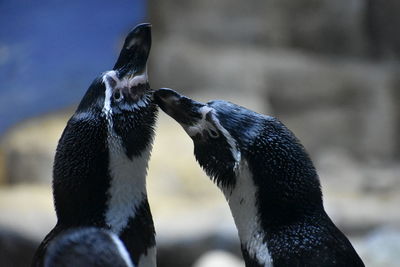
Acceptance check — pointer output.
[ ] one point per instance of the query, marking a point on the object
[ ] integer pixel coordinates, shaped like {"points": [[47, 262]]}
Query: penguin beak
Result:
{"points": [[133, 57], [182, 109]]}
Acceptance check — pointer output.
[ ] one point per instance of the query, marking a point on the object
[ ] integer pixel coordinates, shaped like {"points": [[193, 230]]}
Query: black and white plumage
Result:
{"points": [[100, 167], [87, 246], [269, 181]]}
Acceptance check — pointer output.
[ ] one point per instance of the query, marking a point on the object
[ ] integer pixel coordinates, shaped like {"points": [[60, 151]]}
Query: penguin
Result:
{"points": [[100, 166], [87, 246], [269, 182]]}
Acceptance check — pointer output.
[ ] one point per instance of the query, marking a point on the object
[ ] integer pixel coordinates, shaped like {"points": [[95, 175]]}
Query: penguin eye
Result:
{"points": [[213, 133], [117, 95]]}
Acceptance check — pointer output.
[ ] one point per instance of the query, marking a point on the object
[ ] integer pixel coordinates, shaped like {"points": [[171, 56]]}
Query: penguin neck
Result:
{"points": [[243, 204], [127, 190]]}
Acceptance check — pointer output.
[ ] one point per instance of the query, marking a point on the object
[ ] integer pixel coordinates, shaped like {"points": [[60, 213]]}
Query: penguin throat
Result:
{"points": [[243, 204], [127, 189]]}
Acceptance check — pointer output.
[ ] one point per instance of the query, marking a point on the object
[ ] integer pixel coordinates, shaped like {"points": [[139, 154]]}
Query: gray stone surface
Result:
{"points": [[333, 27], [381, 248], [382, 24], [307, 61], [331, 104], [27, 210], [27, 150], [228, 73], [327, 103], [360, 28]]}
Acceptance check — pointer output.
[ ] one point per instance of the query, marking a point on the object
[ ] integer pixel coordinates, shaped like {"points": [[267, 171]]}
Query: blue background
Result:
{"points": [[50, 51]]}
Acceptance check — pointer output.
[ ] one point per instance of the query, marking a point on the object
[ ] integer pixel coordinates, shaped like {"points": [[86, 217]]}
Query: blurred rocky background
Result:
{"points": [[328, 69]]}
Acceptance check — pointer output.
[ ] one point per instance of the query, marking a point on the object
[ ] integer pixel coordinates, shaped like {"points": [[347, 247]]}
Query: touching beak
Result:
{"points": [[132, 60], [183, 109]]}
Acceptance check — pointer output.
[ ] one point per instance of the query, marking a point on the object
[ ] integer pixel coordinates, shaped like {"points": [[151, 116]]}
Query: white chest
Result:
{"points": [[128, 184], [242, 202]]}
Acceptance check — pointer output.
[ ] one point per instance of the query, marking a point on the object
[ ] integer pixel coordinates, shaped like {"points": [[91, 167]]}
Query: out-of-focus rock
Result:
{"points": [[395, 95], [28, 210], [331, 27], [228, 73], [381, 248], [334, 27], [359, 196], [341, 27], [331, 104], [3, 178], [15, 249], [28, 149], [382, 23], [218, 258], [327, 103], [281, 51], [337, 167]]}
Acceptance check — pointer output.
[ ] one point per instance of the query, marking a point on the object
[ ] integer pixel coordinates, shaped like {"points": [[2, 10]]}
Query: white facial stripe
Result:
{"points": [[202, 124], [122, 250], [138, 79], [231, 141], [126, 82], [242, 202], [108, 93], [112, 74]]}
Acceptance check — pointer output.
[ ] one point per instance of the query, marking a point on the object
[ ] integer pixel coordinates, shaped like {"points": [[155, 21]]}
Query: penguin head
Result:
{"points": [[214, 147], [122, 96], [228, 137]]}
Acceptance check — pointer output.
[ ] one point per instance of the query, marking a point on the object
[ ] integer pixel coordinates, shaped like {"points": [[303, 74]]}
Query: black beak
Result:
{"points": [[133, 57], [183, 109]]}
